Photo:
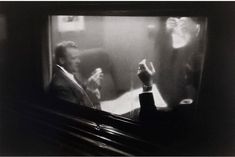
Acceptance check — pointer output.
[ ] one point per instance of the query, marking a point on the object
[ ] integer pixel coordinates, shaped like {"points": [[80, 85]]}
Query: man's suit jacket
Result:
{"points": [[147, 106], [64, 88]]}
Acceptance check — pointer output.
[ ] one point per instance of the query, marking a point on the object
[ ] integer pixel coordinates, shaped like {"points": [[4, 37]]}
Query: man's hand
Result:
{"points": [[145, 74], [94, 81], [171, 23]]}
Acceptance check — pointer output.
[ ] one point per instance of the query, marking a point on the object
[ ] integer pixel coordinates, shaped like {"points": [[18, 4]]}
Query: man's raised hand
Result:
{"points": [[145, 73]]}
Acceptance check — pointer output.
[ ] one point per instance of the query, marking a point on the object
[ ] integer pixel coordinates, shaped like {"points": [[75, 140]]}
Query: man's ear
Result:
{"points": [[61, 61]]}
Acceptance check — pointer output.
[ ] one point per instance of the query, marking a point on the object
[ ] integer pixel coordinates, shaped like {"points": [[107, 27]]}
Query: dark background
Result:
{"points": [[21, 63]]}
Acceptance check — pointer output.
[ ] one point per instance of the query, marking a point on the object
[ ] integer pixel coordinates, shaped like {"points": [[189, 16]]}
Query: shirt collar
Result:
{"points": [[65, 71]]}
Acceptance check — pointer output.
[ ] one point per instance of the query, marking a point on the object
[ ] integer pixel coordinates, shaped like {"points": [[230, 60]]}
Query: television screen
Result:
{"points": [[94, 60]]}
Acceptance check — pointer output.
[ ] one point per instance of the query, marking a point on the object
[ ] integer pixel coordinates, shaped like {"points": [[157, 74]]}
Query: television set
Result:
{"points": [[116, 44], [189, 44]]}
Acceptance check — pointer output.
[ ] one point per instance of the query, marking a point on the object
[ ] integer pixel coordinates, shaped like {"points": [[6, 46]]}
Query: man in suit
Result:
{"points": [[66, 86]]}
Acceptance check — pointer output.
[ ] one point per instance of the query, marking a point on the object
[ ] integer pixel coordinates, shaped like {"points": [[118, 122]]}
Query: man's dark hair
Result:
{"points": [[61, 47]]}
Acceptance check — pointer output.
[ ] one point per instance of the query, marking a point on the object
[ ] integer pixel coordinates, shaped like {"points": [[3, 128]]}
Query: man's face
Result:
{"points": [[71, 60]]}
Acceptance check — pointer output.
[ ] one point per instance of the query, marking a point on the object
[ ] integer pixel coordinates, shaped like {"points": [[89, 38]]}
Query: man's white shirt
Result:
{"points": [[69, 75]]}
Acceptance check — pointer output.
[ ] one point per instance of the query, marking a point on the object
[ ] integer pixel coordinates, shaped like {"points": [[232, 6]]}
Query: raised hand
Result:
{"points": [[94, 81], [171, 23], [145, 73]]}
